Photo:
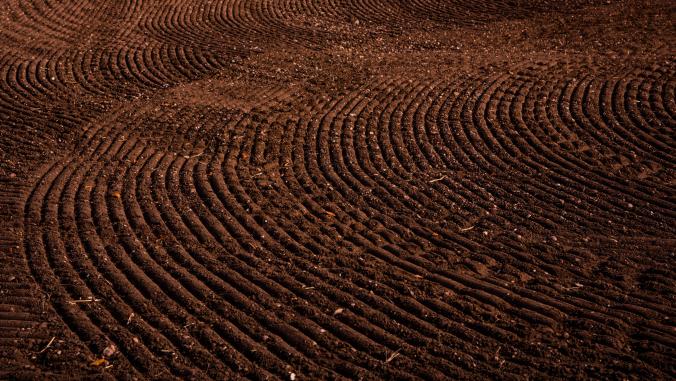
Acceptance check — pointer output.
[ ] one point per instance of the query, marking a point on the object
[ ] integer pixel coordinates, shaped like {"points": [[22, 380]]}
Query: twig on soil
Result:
{"points": [[439, 179], [90, 300], [131, 316], [48, 345], [466, 229], [393, 356], [499, 359], [160, 373], [577, 286]]}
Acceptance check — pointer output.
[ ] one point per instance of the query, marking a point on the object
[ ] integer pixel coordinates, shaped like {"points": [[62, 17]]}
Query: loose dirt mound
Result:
{"points": [[353, 189]]}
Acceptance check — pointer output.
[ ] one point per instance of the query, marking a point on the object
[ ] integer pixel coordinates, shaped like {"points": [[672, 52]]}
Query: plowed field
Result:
{"points": [[337, 189]]}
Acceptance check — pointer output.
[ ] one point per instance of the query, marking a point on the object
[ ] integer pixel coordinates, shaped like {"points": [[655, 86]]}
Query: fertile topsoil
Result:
{"points": [[327, 189]]}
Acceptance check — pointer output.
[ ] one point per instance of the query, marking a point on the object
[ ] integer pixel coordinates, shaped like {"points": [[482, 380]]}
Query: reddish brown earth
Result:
{"points": [[356, 189]]}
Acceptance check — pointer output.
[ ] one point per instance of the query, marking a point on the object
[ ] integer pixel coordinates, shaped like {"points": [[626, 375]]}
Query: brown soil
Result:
{"points": [[356, 189]]}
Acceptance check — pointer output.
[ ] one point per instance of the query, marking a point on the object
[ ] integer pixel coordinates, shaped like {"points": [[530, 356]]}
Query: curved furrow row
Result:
{"points": [[160, 217], [343, 270], [140, 313], [258, 226], [250, 291], [585, 174], [75, 317], [238, 189]]}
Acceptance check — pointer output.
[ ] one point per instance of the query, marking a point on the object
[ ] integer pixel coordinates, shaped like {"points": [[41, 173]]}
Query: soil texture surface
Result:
{"points": [[337, 189]]}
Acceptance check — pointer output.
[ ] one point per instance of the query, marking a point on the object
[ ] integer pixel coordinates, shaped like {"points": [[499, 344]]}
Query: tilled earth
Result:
{"points": [[337, 189]]}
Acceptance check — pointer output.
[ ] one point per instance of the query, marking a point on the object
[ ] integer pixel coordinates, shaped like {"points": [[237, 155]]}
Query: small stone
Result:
{"points": [[109, 350], [99, 362], [292, 376]]}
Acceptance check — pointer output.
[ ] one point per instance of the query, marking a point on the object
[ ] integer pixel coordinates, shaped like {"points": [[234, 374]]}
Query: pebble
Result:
{"points": [[109, 350]]}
